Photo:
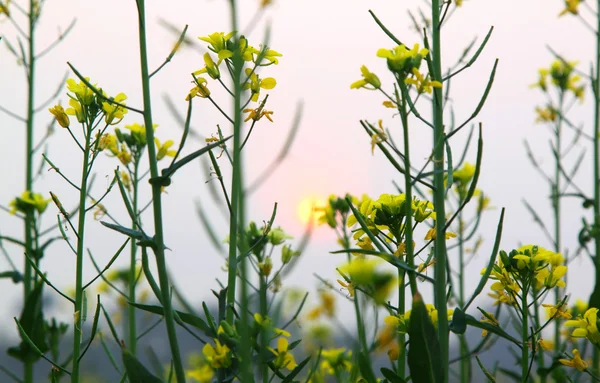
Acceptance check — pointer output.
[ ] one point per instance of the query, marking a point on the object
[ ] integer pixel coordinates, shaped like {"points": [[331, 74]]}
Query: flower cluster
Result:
{"points": [[224, 46], [561, 75], [29, 202], [401, 322], [527, 266]]}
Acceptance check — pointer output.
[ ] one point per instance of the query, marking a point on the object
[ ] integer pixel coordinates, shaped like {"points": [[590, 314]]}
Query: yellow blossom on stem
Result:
{"points": [[557, 311], [432, 234], [61, 117], [585, 327], [369, 81], [218, 43], [378, 137], [546, 345], [422, 83], [348, 286], [200, 90], [76, 110], [401, 59], [81, 92], [575, 361], [4, 8], [336, 359], [491, 319], [163, 149], [571, 6], [219, 356], [283, 356], [547, 114], [257, 114], [210, 68], [203, 374], [113, 111], [28, 201], [255, 83], [269, 55]]}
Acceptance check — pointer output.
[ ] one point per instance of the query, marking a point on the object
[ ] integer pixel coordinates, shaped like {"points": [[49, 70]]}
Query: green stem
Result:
{"points": [[78, 309], [237, 218], [264, 340], [408, 232], [595, 298], [131, 317], [28, 275], [439, 198], [465, 363], [159, 243], [524, 336]]}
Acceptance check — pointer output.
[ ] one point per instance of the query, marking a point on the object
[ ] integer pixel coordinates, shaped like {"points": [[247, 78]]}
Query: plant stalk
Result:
{"points": [[159, 243], [439, 196]]}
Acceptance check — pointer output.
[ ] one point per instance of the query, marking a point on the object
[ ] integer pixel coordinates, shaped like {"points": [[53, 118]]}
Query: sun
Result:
{"points": [[305, 210]]}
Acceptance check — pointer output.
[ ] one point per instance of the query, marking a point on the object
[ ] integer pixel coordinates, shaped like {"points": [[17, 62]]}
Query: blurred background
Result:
{"points": [[323, 46]]}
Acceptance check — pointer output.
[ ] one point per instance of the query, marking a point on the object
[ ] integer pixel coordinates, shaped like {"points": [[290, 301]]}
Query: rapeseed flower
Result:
{"points": [[113, 111], [422, 83], [575, 361], [29, 201], [402, 60], [571, 6], [255, 83], [218, 43], [369, 81], [219, 356], [586, 326], [283, 356], [61, 117]]}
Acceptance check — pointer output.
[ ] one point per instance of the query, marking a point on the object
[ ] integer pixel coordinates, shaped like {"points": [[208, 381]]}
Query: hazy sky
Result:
{"points": [[323, 43]]}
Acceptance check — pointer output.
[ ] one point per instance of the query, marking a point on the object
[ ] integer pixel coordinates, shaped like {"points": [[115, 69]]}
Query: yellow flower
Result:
{"points": [[491, 319], [113, 111], [163, 149], [29, 201], [402, 60], [268, 54], [257, 114], [368, 79], [61, 117], [218, 43], [575, 361], [585, 327], [210, 68], [464, 174], [432, 234], [283, 357], [348, 286], [378, 137], [83, 94], [76, 110], [218, 356], [423, 84], [202, 374], [546, 345], [336, 359], [255, 83], [557, 311], [389, 104], [547, 114], [199, 90], [571, 6], [4, 8]]}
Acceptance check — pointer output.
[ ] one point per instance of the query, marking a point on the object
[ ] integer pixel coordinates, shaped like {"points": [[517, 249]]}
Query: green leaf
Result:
{"points": [[471, 321], [424, 349], [33, 339], [128, 232], [190, 319], [136, 372], [391, 376], [296, 371], [459, 322], [488, 270]]}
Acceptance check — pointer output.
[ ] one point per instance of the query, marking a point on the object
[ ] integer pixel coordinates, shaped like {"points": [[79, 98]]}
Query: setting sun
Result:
{"points": [[306, 207]]}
